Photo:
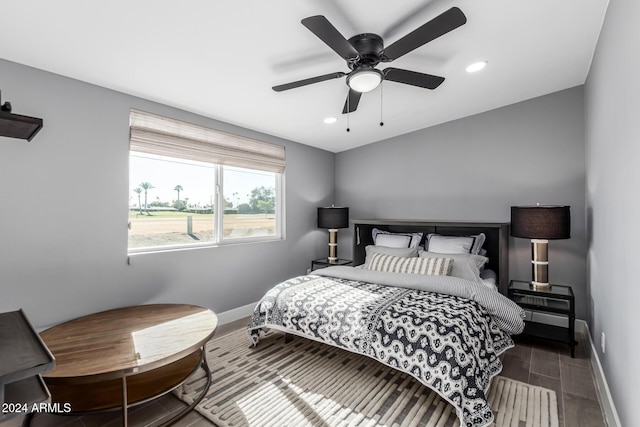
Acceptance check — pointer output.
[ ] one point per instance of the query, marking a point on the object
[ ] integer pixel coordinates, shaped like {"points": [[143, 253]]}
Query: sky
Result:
{"points": [[197, 180]]}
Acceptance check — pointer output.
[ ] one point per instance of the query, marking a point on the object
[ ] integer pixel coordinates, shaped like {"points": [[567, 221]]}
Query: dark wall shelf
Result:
{"points": [[23, 356]]}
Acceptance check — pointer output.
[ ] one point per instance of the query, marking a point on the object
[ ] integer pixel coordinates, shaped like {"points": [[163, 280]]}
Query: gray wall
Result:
{"points": [[63, 221], [612, 99], [475, 169]]}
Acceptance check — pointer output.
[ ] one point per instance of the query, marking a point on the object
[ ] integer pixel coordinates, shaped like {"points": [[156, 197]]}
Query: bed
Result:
{"points": [[424, 309]]}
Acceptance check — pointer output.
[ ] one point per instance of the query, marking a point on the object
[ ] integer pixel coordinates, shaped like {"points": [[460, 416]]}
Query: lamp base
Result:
{"points": [[539, 286], [540, 264], [333, 246]]}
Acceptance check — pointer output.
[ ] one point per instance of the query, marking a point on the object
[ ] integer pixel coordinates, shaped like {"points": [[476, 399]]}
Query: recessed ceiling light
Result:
{"points": [[476, 66], [330, 120]]}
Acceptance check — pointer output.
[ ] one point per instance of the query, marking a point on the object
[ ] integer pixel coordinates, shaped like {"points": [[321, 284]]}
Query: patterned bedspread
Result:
{"points": [[450, 343]]}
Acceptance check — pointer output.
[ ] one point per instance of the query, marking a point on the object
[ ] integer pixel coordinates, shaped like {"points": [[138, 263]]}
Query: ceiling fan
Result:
{"points": [[364, 51]]}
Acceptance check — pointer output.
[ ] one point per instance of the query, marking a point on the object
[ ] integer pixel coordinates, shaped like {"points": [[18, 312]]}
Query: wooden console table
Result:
{"points": [[124, 357]]}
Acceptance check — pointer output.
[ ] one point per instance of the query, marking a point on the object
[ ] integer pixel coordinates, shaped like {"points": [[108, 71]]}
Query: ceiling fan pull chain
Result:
{"points": [[348, 111], [381, 99]]}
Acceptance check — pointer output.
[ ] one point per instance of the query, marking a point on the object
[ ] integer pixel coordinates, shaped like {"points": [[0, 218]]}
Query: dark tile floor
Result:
{"points": [[535, 362], [550, 365]]}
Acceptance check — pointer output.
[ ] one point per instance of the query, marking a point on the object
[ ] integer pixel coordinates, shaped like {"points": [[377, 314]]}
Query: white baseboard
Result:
{"points": [[236, 313], [602, 388]]}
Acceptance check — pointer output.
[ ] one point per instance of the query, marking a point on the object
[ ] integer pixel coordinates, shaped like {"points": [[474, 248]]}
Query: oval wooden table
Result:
{"points": [[127, 356]]}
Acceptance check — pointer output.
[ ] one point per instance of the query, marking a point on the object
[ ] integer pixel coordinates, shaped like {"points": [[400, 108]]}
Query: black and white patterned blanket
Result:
{"points": [[450, 343]]}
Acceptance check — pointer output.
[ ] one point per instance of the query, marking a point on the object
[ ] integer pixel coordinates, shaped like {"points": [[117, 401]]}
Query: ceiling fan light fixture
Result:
{"points": [[476, 66], [330, 120], [364, 80]]}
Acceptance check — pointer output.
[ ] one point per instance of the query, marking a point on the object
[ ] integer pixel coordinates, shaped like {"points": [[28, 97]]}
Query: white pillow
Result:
{"points": [[449, 244], [393, 264], [477, 245], [455, 244], [465, 266], [392, 241], [489, 279], [395, 240]]}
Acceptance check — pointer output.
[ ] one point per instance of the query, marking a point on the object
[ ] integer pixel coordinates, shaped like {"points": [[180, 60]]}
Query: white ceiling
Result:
{"points": [[220, 58]]}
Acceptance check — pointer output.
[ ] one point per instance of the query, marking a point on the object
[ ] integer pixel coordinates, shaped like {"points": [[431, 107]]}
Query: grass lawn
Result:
{"points": [[170, 227]]}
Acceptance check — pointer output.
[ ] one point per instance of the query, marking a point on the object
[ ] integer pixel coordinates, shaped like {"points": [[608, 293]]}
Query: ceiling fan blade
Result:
{"points": [[438, 26], [351, 104], [399, 25], [309, 81], [412, 78], [325, 31]]}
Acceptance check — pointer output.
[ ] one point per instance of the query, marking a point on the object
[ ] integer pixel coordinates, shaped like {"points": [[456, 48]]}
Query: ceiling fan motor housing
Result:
{"points": [[369, 47]]}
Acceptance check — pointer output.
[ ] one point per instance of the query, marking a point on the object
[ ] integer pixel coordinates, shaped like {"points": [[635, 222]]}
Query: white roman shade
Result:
{"points": [[153, 134]]}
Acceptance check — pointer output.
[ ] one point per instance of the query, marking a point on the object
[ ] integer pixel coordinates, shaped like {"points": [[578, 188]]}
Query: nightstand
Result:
{"points": [[324, 262], [557, 299]]}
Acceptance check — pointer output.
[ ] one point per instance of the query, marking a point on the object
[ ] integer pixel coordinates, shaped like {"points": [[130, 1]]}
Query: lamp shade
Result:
{"points": [[541, 222], [333, 218]]}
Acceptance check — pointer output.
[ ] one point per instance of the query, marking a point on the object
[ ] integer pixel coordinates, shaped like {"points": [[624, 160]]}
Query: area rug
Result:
{"points": [[306, 383]]}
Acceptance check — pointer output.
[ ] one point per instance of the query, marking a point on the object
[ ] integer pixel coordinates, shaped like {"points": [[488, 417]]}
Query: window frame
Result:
{"points": [[279, 233], [218, 204]]}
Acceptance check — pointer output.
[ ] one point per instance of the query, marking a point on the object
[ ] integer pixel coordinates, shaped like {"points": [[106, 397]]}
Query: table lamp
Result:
{"points": [[333, 218], [540, 224]]}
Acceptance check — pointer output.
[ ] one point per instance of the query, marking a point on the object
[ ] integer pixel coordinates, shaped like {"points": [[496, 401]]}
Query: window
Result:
{"points": [[193, 186]]}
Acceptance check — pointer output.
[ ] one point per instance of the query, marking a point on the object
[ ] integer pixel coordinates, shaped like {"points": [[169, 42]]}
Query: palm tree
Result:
{"points": [[138, 190], [146, 186], [178, 188]]}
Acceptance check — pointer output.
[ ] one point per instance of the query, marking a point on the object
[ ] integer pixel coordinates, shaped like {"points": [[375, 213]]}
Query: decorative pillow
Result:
{"points": [[399, 252], [455, 244], [465, 266], [394, 264], [395, 240]]}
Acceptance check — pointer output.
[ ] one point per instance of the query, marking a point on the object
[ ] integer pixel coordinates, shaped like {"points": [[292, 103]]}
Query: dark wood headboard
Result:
{"points": [[496, 244]]}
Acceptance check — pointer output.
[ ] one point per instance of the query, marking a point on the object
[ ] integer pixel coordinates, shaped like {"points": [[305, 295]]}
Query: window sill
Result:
{"points": [[207, 245]]}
